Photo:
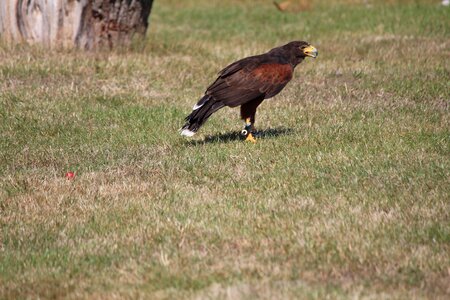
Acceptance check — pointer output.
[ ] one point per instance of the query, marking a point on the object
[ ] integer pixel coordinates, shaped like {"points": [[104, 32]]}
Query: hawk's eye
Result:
{"points": [[303, 47]]}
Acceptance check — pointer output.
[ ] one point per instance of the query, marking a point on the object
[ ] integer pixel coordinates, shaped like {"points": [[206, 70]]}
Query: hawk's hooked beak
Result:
{"points": [[310, 51]]}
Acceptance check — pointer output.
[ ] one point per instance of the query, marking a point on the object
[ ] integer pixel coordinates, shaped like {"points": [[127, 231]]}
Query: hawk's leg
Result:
{"points": [[249, 130], [248, 112]]}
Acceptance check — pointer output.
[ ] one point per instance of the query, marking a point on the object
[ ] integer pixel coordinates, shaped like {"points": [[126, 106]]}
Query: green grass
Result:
{"points": [[345, 195]]}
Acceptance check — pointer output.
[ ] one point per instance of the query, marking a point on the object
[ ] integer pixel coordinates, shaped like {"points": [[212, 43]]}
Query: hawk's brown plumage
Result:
{"points": [[247, 82]]}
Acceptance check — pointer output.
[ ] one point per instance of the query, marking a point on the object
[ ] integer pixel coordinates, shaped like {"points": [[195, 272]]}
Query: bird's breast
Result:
{"points": [[274, 73]]}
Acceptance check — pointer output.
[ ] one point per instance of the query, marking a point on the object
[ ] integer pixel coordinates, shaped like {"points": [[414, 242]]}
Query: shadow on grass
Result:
{"points": [[236, 136]]}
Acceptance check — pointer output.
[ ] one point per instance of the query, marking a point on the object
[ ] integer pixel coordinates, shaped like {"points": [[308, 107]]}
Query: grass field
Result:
{"points": [[345, 195]]}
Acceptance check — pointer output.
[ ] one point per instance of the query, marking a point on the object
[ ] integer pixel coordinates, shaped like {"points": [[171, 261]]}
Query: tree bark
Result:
{"points": [[87, 24]]}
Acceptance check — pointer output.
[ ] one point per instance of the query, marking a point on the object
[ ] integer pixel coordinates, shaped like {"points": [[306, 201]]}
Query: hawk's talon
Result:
{"points": [[249, 131], [250, 138]]}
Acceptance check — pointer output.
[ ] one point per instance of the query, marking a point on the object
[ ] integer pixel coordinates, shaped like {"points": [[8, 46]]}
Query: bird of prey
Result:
{"points": [[247, 82]]}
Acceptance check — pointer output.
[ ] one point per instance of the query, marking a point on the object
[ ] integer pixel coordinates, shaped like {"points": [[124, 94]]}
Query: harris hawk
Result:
{"points": [[246, 83]]}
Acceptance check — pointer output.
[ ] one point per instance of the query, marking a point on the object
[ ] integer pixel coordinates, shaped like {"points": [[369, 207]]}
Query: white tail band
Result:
{"points": [[187, 132]]}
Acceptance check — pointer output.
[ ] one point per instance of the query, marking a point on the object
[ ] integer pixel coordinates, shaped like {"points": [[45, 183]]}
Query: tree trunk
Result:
{"points": [[87, 24]]}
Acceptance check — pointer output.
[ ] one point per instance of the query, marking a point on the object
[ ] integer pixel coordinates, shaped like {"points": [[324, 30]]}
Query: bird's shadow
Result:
{"points": [[235, 136]]}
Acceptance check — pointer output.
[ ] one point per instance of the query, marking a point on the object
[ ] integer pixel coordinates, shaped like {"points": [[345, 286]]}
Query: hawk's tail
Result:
{"points": [[201, 112]]}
